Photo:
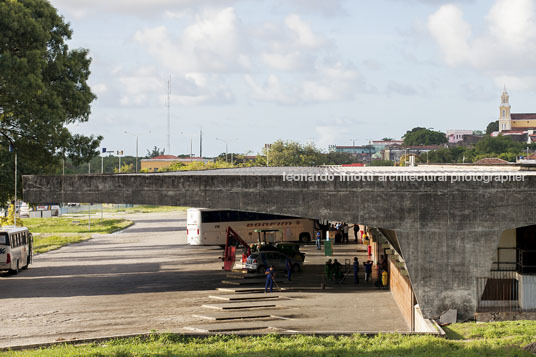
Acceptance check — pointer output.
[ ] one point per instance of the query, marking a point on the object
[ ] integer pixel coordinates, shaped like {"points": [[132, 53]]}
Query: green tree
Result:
{"points": [[290, 153], [493, 126], [387, 139], [43, 88], [422, 136], [498, 145], [156, 151]]}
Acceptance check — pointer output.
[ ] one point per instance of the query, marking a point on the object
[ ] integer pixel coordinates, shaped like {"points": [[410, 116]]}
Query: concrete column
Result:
{"points": [[443, 266]]}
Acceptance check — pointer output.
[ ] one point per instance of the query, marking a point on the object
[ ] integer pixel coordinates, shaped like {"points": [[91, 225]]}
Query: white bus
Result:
{"points": [[15, 249], [209, 226]]}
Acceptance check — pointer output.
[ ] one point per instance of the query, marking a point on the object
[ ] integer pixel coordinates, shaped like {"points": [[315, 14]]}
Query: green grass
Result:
{"points": [[74, 225], [471, 340], [147, 209], [43, 244], [135, 209]]}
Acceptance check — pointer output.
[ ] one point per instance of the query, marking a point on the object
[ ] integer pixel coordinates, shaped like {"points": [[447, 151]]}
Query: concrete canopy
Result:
{"points": [[447, 220]]}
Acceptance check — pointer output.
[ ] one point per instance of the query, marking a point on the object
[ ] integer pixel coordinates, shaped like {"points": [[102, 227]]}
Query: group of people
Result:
{"points": [[333, 270]]}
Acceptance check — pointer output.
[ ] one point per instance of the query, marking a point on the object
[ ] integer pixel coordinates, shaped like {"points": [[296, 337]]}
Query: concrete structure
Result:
{"points": [[445, 222]]}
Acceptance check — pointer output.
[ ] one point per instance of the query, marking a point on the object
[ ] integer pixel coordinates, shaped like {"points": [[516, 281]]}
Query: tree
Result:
{"points": [[422, 136], [155, 152], [387, 139], [498, 145], [493, 126], [43, 88]]}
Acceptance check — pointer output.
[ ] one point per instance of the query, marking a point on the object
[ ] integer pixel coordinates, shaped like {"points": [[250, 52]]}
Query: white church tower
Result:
{"points": [[505, 120]]}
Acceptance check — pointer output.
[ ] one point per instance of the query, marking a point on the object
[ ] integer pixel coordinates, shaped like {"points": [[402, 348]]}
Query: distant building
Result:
{"points": [[395, 152], [455, 136], [366, 152], [520, 125], [160, 162]]}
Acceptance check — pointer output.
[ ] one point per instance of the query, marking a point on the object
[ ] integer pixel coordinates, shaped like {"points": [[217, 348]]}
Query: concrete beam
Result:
{"points": [[446, 230]]}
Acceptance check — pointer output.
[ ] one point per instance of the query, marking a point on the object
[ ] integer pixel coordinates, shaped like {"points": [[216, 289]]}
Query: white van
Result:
{"points": [[16, 245]]}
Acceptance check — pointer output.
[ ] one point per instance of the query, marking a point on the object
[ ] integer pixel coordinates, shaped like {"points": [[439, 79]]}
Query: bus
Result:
{"points": [[209, 226], [16, 245]]}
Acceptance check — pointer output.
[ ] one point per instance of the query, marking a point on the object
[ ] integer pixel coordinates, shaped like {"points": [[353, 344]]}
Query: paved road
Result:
{"points": [[145, 278]]}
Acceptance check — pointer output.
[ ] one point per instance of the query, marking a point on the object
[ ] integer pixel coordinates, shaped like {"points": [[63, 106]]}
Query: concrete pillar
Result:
{"points": [[443, 266]]}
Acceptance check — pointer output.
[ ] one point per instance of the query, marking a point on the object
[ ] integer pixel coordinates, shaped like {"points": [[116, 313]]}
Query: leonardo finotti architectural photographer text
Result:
{"points": [[329, 177]]}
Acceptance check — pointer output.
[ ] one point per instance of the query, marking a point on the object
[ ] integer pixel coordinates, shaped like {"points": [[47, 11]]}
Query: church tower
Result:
{"points": [[505, 121]]}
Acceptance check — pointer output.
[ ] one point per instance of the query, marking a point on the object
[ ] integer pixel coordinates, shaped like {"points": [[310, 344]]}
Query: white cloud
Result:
{"points": [[452, 33], [304, 35], [83, 8], [335, 82], [213, 43], [323, 7], [506, 47], [328, 135]]}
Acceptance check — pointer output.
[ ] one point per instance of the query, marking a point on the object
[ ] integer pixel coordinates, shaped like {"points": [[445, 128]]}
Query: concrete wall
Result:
{"points": [[447, 232], [401, 289]]}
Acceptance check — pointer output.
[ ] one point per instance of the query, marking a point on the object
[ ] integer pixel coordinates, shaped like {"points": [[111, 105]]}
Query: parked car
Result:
{"points": [[255, 262]]}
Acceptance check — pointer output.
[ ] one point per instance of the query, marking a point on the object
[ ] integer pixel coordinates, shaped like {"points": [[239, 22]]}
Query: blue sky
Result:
{"points": [[253, 71]]}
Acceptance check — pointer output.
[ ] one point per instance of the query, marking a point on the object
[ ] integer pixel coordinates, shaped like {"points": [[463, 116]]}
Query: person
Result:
{"points": [[356, 270], [288, 266], [328, 270], [356, 230], [345, 229], [270, 275], [368, 270], [337, 270], [318, 241]]}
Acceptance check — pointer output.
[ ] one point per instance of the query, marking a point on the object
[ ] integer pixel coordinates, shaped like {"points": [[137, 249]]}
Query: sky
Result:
{"points": [[249, 72]]}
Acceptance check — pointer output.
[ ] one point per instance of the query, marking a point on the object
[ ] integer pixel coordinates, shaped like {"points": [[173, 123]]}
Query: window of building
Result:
{"points": [[504, 113]]}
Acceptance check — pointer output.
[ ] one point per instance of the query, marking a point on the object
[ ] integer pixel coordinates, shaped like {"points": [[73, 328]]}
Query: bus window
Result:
{"points": [[210, 216], [233, 216], [4, 239]]}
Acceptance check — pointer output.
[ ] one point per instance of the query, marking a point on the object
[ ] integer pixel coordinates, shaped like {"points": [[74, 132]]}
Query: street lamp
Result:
{"points": [[136, 135], [226, 147]]}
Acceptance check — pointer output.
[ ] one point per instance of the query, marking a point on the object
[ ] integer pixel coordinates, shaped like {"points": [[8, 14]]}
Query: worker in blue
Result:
{"points": [[288, 267], [270, 276], [318, 240], [356, 270]]}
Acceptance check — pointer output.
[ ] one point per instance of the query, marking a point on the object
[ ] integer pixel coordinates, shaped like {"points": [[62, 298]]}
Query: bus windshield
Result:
{"points": [[4, 239]]}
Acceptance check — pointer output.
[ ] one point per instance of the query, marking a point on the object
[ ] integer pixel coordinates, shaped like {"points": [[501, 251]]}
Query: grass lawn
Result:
{"points": [[135, 209], [147, 209], [47, 243], [74, 225], [491, 339]]}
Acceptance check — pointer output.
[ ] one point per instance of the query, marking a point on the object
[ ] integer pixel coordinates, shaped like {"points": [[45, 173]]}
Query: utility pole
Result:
{"points": [[15, 211], [169, 117], [201, 143]]}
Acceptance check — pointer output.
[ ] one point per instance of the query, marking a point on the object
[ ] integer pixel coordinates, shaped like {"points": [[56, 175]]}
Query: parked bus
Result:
{"points": [[15, 249], [209, 226]]}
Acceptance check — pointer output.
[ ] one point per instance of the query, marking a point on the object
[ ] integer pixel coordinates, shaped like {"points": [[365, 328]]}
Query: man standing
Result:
{"points": [[345, 229], [288, 266], [356, 230], [368, 270], [318, 241], [356, 270], [270, 275]]}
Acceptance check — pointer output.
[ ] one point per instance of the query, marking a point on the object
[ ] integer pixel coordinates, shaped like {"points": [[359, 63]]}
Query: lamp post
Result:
{"points": [[226, 147], [137, 139]]}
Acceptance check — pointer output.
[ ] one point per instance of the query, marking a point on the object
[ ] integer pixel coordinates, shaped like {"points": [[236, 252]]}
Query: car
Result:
{"points": [[255, 262]]}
